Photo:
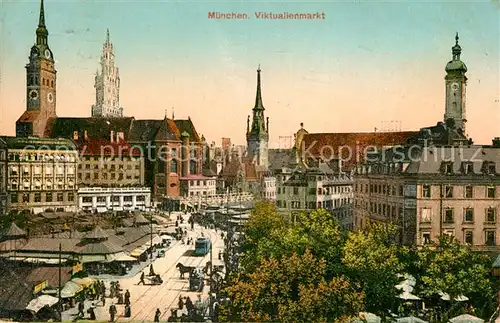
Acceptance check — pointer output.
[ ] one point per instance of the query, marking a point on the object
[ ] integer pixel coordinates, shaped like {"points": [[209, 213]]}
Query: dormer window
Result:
{"points": [[448, 168], [467, 168]]}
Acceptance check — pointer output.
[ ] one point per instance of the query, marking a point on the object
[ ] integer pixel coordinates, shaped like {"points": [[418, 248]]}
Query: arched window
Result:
{"points": [[173, 166], [43, 81], [51, 83], [192, 167]]}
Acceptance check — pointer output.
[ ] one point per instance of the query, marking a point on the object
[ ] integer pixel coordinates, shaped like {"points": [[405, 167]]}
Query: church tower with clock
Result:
{"points": [[107, 85], [40, 86], [456, 83]]}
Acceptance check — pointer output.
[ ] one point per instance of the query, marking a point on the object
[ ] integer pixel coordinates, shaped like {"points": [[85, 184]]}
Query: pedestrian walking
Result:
{"points": [[103, 299], [92, 312], [103, 288], [181, 303], [81, 308], [112, 312], [151, 270], [157, 315], [127, 297], [141, 279]]}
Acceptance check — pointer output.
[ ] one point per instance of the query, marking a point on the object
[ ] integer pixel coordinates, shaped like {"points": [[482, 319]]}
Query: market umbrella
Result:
{"points": [[70, 289], [368, 317], [41, 301], [466, 318], [85, 281], [407, 296], [410, 319], [460, 298]]}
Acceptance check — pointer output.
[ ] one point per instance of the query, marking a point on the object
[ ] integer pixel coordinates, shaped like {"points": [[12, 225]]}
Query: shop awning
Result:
{"points": [[156, 240], [85, 281], [41, 301], [102, 209], [49, 261], [124, 257], [70, 289], [137, 252], [92, 258]]}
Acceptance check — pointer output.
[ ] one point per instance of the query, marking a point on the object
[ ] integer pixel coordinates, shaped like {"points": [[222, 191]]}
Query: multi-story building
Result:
{"points": [[107, 85], [3, 177], [268, 185], [100, 199], [109, 163], [432, 191], [307, 189], [198, 185], [41, 174]]}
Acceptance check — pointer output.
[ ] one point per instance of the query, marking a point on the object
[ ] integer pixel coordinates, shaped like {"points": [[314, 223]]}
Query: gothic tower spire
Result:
{"points": [[107, 84], [257, 133], [41, 32], [258, 97]]}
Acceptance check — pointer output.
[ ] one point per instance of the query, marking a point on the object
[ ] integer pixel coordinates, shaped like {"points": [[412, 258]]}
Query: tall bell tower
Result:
{"points": [[107, 85], [40, 86], [456, 83], [258, 132]]}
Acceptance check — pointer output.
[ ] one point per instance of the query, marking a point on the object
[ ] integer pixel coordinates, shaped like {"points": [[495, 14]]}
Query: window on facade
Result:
{"points": [[401, 190], [87, 166], [469, 215], [425, 214], [448, 216], [491, 215], [468, 192], [490, 191], [38, 197], [113, 175], [120, 176], [448, 191], [13, 198], [489, 238], [71, 197], [26, 198], [87, 199], [467, 168], [96, 175], [426, 190], [468, 237], [426, 237], [192, 167], [448, 168], [14, 185], [295, 191], [48, 197], [60, 197]]}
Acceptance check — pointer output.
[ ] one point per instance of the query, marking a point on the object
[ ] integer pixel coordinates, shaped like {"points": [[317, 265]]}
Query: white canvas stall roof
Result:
{"points": [[70, 289], [156, 240], [92, 258], [41, 301], [466, 318], [123, 257], [137, 252]]}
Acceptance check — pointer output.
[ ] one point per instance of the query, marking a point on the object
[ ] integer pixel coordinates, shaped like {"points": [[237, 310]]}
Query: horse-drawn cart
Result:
{"points": [[196, 280]]}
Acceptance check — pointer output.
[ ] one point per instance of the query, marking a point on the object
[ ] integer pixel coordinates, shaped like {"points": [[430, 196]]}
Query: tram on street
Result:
{"points": [[202, 246]]}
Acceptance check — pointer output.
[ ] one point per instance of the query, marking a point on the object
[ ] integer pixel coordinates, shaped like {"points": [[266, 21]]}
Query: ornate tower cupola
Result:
{"points": [[456, 83], [40, 86], [258, 132], [107, 85]]}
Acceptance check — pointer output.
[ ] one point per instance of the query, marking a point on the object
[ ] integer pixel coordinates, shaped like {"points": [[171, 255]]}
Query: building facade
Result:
{"points": [[109, 162], [268, 191], [3, 177], [107, 85], [41, 174], [100, 199], [40, 86], [307, 189], [434, 191], [198, 185]]}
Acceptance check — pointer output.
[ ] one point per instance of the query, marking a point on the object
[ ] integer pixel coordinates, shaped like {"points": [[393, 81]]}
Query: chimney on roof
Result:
{"points": [[85, 135], [496, 142], [111, 136]]}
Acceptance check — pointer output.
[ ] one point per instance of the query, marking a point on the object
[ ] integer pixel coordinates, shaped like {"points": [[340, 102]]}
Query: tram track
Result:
{"points": [[170, 279]]}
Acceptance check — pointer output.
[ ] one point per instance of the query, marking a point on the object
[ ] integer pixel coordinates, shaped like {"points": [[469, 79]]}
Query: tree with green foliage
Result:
{"points": [[291, 289], [371, 258], [450, 267]]}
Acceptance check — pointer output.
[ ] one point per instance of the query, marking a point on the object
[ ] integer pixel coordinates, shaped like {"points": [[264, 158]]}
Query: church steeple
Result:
{"points": [[258, 97], [257, 133], [41, 32]]}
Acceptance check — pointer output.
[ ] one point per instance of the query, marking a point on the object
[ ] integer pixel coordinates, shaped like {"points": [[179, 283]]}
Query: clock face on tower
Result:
{"points": [[47, 54], [33, 94], [50, 97], [454, 87]]}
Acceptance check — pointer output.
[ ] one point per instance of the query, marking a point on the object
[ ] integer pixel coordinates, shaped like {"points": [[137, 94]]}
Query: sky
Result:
{"points": [[366, 64]]}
